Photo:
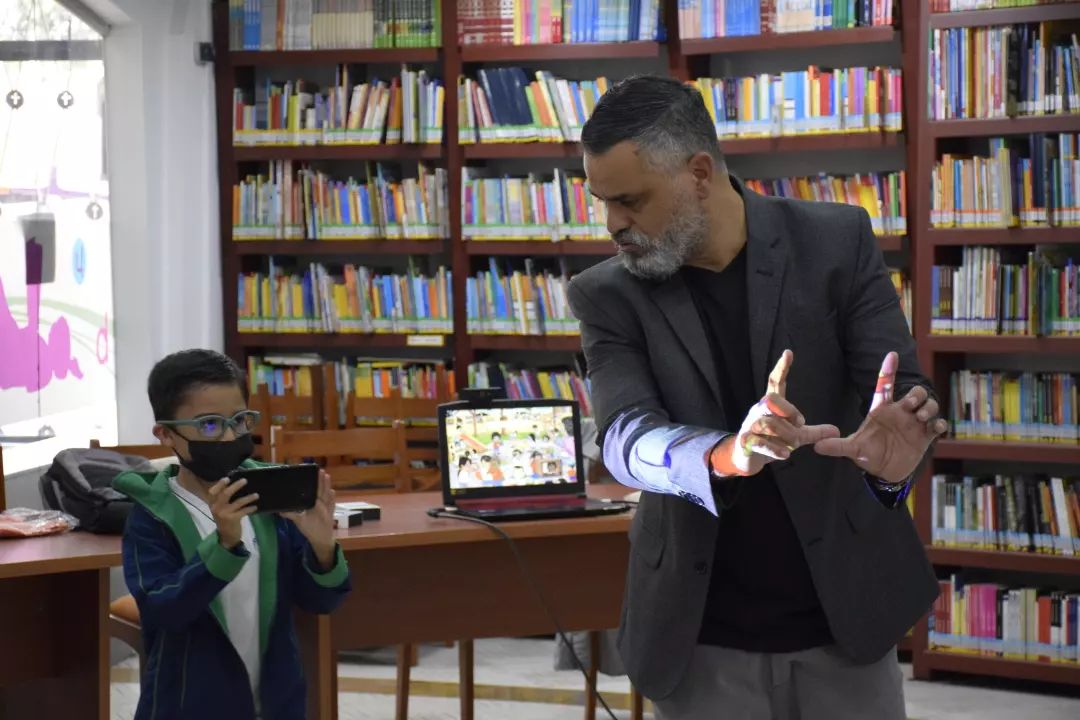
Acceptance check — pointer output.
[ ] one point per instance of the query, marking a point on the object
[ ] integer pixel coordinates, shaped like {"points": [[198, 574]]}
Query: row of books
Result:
{"points": [[519, 302], [1003, 71], [944, 6], [902, 283], [333, 24], [307, 204], [882, 195], [1038, 296], [406, 109], [1022, 513], [815, 100], [1024, 181], [533, 384], [530, 22], [530, 208], [730, 18], [1014, 406], [356, 300], [504, 105], [1015, 623]]}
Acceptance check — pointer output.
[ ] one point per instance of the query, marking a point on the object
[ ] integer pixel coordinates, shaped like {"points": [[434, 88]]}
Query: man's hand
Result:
{"points": [[772, 430], [228, 514], [895, 434], [317, 524]]}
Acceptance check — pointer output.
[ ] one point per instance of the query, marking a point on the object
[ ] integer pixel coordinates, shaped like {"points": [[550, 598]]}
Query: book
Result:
{"points": [[519, 301], [333, 24], [811, 101], [523, 383], [533, 22], [295, 202], [734, 18], [405, 108], [882, 195], [1014, 406]]}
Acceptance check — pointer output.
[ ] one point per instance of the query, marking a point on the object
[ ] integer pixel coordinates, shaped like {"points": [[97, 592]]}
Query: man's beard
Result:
{"points": [[661, 257]]}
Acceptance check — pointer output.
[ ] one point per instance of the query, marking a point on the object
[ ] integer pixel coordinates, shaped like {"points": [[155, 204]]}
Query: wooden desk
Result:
{"points": [[54, 602], [423, 579]]}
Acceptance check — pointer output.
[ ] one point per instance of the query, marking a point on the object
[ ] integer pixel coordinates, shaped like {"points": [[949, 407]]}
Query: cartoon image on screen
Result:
{"points": [[515, 446]]}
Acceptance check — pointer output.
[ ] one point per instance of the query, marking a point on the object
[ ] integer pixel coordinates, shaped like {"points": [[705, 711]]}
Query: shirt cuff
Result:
{"points": [[222, 564], [332, 578]]}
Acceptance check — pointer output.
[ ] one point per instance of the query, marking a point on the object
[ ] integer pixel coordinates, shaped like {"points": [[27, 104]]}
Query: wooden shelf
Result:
{"points": [[552, 343], [890, 243], [559, 51], [788, 41], [993, 560], [1016, 669], [263, 58], [982, 344], [540, 247], [1004, 236], [1002, 451], [337, 247], [1006, 16], [336, 152], [316, 341], [1004, 126], [810, 143], [503, 151]]}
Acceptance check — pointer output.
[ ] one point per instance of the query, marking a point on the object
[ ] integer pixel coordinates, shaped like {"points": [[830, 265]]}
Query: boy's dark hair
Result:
{"points": [[485, 458], [176, 375], [666, 118]]}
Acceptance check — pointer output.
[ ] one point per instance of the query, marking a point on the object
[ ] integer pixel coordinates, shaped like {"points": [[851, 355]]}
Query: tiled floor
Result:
{"points": [[523, 669]]}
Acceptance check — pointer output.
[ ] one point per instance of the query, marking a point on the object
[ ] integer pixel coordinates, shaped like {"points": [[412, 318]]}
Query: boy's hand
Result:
{"points": [[228, 514], [317, 524]]}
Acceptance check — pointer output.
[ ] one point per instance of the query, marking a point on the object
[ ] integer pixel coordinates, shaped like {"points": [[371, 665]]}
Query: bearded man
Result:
{"points": [[774, 565]]}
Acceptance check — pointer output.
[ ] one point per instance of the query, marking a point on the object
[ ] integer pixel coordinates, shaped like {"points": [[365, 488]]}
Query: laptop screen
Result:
{"points": [[511, 448]]}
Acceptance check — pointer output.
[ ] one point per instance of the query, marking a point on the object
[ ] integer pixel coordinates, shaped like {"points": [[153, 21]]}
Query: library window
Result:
{"points": [[57, 366]]}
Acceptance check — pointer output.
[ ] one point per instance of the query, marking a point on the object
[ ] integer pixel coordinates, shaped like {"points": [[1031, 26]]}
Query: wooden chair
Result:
{"points": [[386, 446], [124, 624], [291, 411]]}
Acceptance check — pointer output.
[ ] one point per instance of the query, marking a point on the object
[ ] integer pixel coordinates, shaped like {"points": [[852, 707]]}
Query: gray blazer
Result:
{"points": [[817, 284]]}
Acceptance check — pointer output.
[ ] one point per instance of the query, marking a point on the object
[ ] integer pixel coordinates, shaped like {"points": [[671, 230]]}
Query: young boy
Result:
{"points": [[215, 583]]}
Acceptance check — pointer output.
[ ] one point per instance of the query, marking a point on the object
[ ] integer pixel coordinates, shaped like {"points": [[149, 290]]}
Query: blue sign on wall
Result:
{"points": [[78, 261]]}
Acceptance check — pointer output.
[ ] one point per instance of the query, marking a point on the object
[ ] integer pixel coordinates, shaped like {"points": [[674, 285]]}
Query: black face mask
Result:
{"points": [[212, 460]]}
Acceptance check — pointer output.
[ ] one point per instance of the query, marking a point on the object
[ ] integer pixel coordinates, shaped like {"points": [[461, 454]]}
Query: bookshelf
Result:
{"points": [[686, 59], [940, 354]]}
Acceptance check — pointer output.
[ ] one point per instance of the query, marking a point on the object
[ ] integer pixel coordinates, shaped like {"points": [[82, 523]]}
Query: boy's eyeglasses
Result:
{"points": [[212, 427]]}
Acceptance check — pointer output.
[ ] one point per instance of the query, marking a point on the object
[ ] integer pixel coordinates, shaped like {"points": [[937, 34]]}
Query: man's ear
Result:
{"points": [[703, 169]]}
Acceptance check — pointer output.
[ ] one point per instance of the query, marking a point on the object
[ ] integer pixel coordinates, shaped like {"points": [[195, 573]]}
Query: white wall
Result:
{"points": [[163, 184]]}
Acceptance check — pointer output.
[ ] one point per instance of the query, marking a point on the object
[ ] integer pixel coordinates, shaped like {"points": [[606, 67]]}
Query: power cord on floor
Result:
{"points": [[536, 591]]}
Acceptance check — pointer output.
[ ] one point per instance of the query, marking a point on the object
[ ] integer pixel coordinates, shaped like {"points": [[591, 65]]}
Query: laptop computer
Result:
{"points": [[515, 460]]}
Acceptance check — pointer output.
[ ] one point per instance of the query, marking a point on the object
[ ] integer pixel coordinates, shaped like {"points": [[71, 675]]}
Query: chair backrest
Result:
{"points": [[150, 452], [382, 450]]}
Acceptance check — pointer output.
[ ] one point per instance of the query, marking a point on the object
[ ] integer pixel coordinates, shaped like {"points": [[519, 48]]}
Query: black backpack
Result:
{"points": [[79, 482]]}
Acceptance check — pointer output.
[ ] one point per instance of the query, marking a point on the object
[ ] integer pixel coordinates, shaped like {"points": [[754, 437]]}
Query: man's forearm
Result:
{"points": [[645, 453]]}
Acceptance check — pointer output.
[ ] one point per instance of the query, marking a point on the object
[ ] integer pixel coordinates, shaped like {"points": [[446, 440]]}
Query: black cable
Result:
{"points": [[539, 597]]}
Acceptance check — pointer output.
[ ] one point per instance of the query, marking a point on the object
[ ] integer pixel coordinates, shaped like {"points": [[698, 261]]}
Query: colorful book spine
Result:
{"points": [[734, 18], [333, 24], [882, 195], [355, 300], [535, 22], [533, 384], [807, 101], [530, 208], [1003, 71], [1031, 181], [504, 105], [985, 295], [1010, 513], [310, 205], [1014, 406], [518, 302], [407, 108], [1028, 624]]}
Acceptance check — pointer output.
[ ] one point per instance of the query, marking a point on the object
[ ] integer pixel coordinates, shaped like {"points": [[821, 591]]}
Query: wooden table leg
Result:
{"points": [[55, 662], [404, 670], [637, 704], [465, 684], [592, 666], [320, 664]]}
